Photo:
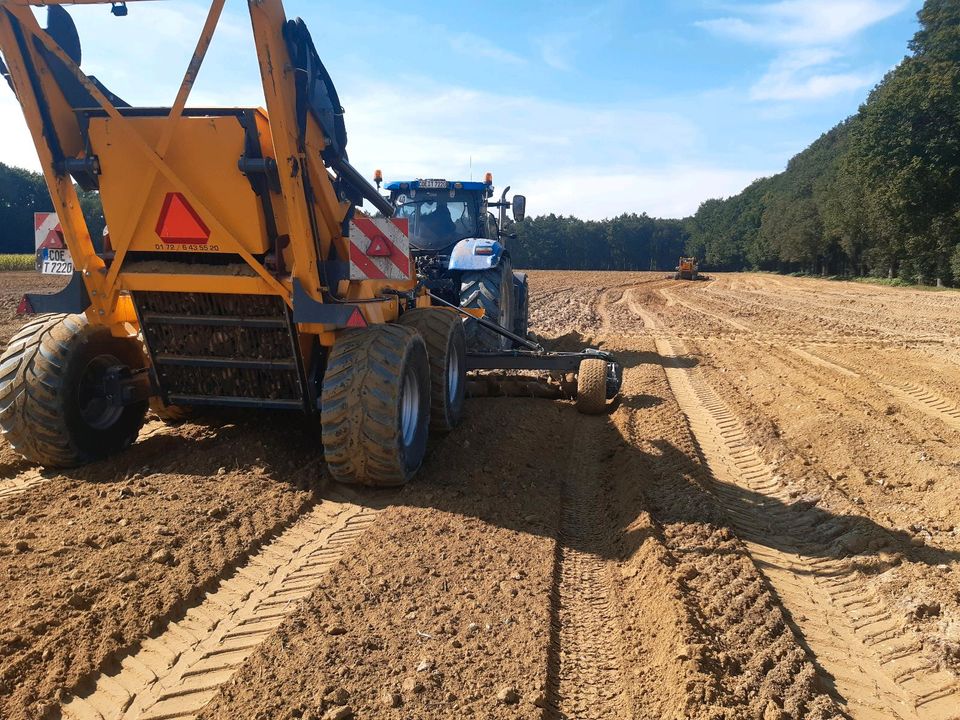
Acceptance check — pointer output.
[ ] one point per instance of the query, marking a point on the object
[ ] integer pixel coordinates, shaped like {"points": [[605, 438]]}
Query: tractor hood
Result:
{"points": [[476, 254]]}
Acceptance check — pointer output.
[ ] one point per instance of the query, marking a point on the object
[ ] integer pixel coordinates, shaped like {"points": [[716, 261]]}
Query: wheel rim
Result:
{"points": [[409, 407], [453, 375], [95, 410]]}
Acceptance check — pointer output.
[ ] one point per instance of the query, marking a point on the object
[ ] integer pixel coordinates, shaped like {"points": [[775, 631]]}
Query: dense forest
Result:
{"points": [[877, 195], [22, 193], [628, 242]]}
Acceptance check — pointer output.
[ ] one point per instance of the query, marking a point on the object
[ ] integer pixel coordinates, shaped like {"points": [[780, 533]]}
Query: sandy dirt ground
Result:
{"points": [[766, 525]]}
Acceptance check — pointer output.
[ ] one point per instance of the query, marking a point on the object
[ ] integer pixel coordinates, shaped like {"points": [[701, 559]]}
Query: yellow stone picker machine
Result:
{"points": [[239, 269]]}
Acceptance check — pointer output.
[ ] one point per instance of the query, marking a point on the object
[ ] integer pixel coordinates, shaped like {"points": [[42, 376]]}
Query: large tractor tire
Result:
{"points": [[375, 406], [491, 291], [592, 386], [50, 411], [442, 331], [521, 321]]}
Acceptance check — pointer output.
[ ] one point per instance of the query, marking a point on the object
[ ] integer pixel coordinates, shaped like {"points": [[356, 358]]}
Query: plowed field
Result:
{"points": [[765, 526]]}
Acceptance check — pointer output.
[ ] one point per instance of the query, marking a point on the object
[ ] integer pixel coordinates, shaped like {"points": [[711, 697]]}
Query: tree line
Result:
{"points": [[879, 194], [628, 242], [23, 193]]}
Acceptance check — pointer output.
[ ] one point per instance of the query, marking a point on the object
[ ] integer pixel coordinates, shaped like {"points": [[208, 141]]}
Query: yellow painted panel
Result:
{"points": [[172, 282], [204, 153]]}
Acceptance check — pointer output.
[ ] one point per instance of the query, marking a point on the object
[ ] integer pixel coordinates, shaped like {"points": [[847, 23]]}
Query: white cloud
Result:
{"points": [[18, 148], [812, 38], [803, 22], [671, 192], [592, 162], [555, 50], [475, 46], [798, 75]]}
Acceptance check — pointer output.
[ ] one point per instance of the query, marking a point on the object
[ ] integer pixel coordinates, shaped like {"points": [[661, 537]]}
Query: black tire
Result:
{"points": [[490, 291], [442, 331], [592, 387], [521, 321], [366, 438], [46, 411]]}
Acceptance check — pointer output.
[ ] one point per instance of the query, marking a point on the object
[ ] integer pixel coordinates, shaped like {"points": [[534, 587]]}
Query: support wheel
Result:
{"points": [[592, 387], [51, 407], [442, 331], [491, 291], [375, 406]]}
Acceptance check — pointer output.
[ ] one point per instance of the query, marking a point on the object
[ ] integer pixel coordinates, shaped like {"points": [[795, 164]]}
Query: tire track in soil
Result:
{"points": [[27, 480], [716, 316], [920, 397], [33, 476], [174, 675], [871, 663], [585, 667]]}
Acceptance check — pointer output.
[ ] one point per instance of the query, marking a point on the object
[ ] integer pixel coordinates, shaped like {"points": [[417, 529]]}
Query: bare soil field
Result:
{"points": [[765, 526]]}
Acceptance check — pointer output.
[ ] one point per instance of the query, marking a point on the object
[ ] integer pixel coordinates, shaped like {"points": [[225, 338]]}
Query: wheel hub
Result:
{"points": [[97, 410], [409, 407]]}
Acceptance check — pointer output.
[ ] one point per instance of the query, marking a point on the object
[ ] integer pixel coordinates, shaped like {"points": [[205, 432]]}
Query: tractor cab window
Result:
{"points": [[437, 222]]}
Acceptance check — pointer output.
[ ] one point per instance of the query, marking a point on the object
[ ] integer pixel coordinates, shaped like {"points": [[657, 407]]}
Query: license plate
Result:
{"points": [[56, 261], [434, 184]]}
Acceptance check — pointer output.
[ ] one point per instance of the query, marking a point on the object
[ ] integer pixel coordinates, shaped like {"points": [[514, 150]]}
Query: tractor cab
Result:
{"points": [[441, 213], [461, 249]]}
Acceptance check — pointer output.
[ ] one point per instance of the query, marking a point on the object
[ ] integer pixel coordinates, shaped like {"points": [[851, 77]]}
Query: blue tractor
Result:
{"points": [[462, 253]]}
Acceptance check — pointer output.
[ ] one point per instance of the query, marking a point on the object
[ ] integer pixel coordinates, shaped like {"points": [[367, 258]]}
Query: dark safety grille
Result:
{"points": [[211, 349]]}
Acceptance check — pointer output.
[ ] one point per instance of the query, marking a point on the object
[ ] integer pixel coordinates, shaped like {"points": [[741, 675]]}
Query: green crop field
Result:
{"points": [[25, 261]]}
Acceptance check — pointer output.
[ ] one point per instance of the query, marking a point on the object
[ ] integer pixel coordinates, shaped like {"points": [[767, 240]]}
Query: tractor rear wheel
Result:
{"points": [[375, 406], [52, 410], [442, 331], [592, 386], [521, 322], [491, 291]]}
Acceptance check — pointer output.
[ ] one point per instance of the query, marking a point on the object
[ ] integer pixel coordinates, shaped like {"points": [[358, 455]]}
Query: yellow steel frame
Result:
{"points": [[298, 158]]}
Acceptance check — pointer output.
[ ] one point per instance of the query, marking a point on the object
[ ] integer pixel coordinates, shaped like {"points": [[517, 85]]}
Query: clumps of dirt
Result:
{"points": [[741, 657], [442, 608], [95, 560], [13, 286], [887, 477]]}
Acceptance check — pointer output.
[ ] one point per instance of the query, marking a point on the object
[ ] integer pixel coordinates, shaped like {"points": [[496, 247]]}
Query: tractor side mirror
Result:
{"points": [[519, 207]]}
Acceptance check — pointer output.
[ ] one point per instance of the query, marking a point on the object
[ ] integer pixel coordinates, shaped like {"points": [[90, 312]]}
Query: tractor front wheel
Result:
{"points": [[491, 291], [442, 331], [375, 406], [52, 405]]}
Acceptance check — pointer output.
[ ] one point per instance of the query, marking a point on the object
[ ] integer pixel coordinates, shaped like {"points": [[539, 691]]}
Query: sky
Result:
{"points": [[589, 109]]}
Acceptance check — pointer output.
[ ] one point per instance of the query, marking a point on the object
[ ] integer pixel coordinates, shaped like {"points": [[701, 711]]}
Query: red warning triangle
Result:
{"points": [[179, 222], [356, 319], [379, 247], [53, 240]]}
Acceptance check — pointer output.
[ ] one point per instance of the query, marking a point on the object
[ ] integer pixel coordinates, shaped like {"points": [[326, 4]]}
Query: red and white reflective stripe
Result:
{"points": [[47, 230], [379, 249]]}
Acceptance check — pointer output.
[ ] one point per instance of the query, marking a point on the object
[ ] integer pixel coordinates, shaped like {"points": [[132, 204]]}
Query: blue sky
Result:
{"points": [[590, 109]]}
